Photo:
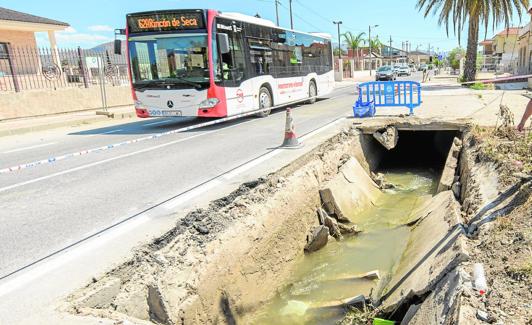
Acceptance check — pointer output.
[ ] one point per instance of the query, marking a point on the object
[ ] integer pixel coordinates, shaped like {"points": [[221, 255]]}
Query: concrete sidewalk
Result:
{"points": [[40, 123]]}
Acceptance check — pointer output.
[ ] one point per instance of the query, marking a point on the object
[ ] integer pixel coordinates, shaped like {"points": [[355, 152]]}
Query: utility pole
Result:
{"points": [[291, 20], [338, 23], [390, 52], [277, 11], [369, 41]]}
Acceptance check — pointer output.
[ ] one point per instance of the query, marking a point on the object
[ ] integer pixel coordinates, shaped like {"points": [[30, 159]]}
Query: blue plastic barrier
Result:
{"points": [[375, 94]]}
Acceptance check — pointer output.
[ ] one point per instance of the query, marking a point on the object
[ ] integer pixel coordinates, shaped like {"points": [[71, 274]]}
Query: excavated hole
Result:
{"points": [[415, 150], [258, 234]]}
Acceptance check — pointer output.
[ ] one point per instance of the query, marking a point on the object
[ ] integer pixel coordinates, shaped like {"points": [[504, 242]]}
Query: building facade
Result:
{"points": [[17, 31]]}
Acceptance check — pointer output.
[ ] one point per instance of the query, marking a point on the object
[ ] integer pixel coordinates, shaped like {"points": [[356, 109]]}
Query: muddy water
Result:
{"points": [[322, 279]]}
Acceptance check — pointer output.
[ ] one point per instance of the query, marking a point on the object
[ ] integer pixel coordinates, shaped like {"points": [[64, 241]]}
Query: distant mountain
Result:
{"points": [[108, 51]]}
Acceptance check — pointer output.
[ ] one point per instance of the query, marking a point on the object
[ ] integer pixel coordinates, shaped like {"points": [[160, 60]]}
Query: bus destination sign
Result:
{"points": [[165, 22]]}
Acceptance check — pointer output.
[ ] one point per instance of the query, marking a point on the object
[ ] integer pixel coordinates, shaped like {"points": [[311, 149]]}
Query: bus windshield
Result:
{"points": [[175, 59]]}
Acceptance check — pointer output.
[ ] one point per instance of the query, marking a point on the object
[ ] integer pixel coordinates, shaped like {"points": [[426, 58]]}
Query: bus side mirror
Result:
{"points": [[223, 43], [118, 47]]}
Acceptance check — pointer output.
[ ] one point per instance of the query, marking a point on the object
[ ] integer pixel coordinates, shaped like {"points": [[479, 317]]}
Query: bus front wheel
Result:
{"points": [[312, 92], [265, 101]]}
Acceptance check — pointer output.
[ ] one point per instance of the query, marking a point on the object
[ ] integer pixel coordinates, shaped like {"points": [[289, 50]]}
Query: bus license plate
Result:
{"points": [[158, 112], [171, 113]]}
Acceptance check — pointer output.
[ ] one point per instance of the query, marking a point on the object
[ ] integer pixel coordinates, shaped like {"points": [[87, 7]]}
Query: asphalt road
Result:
{"points": [[48, 207], [51, 206]]}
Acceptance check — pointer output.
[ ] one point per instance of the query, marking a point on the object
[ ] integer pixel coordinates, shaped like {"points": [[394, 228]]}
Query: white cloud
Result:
{"points": [[101, 28], [69, 30], [82, 37]]}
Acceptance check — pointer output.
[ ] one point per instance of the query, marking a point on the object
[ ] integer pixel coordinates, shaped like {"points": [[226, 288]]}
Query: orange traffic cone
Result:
{"points": [[290, 138]]}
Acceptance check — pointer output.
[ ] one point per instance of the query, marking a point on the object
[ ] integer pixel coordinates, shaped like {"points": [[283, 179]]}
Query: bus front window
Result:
{"points": [[169, 59]]}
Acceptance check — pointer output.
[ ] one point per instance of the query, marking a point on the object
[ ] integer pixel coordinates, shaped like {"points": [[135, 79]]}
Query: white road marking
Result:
{"points": [[191, 194], [30, 147], [157, 123], [308, 135], [108, 132], [68, 171], [57, 261], [275, 152], [252, 164]]}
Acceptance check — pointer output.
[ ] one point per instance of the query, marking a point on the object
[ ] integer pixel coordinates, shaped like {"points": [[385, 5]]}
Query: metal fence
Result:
{"points": [[27, 68]]}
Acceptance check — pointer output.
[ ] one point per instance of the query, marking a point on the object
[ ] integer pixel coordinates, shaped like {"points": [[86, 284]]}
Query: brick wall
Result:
{"points": [[17, 38], [24, 40]]}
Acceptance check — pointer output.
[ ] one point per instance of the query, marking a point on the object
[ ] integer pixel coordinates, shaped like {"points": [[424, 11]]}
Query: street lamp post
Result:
{"points": [[369, 41], [291, 19], [339, 42], [277, 11]]}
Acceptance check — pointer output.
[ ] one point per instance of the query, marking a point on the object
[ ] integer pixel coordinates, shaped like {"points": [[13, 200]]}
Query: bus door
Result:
{"points": [[233, 71]]}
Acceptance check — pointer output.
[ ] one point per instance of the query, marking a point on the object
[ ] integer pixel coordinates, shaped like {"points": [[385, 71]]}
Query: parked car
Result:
{"points": [[402, 70], [423, 67], [386, 72]]}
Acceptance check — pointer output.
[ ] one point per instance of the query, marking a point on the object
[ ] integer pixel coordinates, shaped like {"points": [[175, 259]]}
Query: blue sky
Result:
{"points": [[92, 22]]}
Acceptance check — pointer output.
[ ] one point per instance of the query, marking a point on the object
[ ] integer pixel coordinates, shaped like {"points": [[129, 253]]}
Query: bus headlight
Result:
{"points": [[209, 103], [139, 105]]}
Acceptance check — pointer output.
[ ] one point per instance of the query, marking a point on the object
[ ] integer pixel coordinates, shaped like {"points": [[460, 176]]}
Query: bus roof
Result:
{"points": [[236, 16], [266, 22]]}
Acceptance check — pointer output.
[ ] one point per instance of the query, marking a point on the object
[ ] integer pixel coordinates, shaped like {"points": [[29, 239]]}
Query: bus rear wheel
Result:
{"points": [[265, 101], [312, 92]]}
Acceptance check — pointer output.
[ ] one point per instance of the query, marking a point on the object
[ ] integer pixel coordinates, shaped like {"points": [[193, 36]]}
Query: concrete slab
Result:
{"points": [[435, 247], [349, 192]]}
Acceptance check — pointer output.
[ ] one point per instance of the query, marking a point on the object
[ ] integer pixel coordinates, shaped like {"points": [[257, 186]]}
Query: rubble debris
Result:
{"points": [[348, 229], [358, 302], [371, 275], [318, 239], [387, 138], [157, 308], [334, 230], [449, 171], [456, 188], [321, 215]]}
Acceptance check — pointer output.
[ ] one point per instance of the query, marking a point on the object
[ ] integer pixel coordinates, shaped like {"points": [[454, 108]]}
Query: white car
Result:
{"points": [[402, 70]]}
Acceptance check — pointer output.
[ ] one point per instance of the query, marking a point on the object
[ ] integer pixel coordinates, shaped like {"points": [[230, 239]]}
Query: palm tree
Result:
{"points": [[376, 44], [354, 42], [472, 12]]}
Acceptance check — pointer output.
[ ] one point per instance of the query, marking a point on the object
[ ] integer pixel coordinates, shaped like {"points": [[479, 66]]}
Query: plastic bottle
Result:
{"points": [[480, 278]]}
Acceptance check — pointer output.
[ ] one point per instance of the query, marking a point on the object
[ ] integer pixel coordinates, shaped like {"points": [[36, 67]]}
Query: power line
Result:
{"points": [[300, 18], [314, 12]]}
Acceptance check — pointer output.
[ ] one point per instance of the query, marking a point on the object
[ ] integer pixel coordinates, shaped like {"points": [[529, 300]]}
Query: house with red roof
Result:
{"points": [[501, 53], [524, 42]]}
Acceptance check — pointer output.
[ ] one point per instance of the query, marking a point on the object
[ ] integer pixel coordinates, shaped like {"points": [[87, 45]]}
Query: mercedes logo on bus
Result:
{"points": [[170, 104]]}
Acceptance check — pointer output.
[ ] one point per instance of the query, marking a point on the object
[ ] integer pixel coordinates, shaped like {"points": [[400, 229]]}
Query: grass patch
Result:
{"points": [[478, 86], [521, 272], [504, 223], [506, 147]]}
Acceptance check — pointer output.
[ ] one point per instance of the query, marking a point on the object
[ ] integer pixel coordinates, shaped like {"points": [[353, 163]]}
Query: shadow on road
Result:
{"points": [[161, 125]]}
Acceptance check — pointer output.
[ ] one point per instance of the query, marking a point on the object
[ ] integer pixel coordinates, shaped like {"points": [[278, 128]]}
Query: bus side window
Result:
{"points": [[233, 63]]}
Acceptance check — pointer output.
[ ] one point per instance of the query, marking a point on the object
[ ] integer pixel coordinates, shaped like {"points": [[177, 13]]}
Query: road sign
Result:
{"points": [[93, 62]]}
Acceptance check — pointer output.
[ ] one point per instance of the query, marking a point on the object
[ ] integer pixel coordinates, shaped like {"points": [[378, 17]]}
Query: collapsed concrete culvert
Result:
{"points": [[227, 262], [388, 137], [243, 246]]}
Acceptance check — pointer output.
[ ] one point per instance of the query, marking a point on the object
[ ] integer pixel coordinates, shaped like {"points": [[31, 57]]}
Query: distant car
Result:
{"points": [[423, 67], [402, 70], [386, 72], [412, 68]]}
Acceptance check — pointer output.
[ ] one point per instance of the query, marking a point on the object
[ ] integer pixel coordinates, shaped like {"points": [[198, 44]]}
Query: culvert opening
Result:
{"points": [[414, 150]]}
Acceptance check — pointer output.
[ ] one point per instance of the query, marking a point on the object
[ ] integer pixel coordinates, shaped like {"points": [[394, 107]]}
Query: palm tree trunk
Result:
{"points": [[470, 67]]}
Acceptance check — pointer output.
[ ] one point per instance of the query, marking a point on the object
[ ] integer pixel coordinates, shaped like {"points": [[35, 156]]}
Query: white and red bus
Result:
{"points": [[206, 63]]}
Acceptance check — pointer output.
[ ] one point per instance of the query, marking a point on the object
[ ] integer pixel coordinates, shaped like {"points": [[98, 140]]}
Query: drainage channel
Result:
{"points": [[386, 227], [342, 270]]}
